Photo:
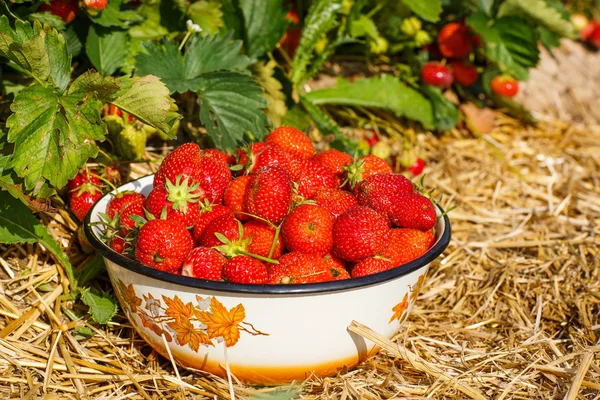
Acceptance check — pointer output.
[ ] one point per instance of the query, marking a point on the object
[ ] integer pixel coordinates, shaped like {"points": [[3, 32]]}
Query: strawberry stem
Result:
{"points": [[275, 237], [261, 258]]}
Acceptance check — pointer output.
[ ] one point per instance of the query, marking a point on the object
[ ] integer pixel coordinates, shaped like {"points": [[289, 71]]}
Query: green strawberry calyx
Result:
{"points": [[181, 193]]}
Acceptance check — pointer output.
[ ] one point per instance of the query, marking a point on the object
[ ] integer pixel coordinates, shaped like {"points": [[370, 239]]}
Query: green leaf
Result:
{"points": [[297, 117], [541, 14], [321, 18], [74, 43], [547, 38], [513, 109], [233, 20], [103, 87], [19, 225], [445, 114], [107, 49], [230, 107], [102, 306], [265, 24], [208, 15], [485, 6], [84, 331], [53, 134], [115, 16], [505, 48], [363, 26], [165, 61], [47, 18], [429, 10], [92, 268], [147, 98], [385, 92]]}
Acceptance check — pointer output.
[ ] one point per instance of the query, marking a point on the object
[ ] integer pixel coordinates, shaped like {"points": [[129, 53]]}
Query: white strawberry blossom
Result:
{"points": [[192, 27]]}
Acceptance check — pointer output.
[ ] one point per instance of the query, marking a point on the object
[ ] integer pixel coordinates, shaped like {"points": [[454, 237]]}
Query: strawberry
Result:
{"points": [[334, 160], [291, 38], [244, 269], [337, 267], [233, 197], [126, 224], [122, 200], [65, 9], [292, 141], [312, 177], [83, 198], [176, 199], [336, 201], [82, 177], [296, 267], [119, 245], [204, 263], [464, 74], [308, 229], [359, 233], [364, 167], [382, 192], [413, 211], [226, 225], [262, 236], [269, 156], [405, 245], [369, 266], [130, 143], [436, 74], [454, 41], [269, 194], [417, 167], [219, 155], [208, 212], [184, 161], [251, 150], [214, 176], [95, 5], [163, 245], [112, 174], [505, 86]]}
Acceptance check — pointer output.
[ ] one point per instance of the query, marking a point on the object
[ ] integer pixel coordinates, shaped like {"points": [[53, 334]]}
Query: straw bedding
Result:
{"points": [[510, 311]]}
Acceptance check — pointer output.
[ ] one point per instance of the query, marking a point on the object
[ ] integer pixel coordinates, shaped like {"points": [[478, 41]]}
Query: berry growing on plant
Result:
{"points": [[83, 198], [436, 74], [83, 177], [95, 5], [464, 74], [417, 167], [454, 40], [505, 86], [65, 9]]}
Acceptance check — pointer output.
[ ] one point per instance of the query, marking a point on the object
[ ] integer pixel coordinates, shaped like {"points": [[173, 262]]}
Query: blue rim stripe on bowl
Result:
{"points": [[280, 289]]}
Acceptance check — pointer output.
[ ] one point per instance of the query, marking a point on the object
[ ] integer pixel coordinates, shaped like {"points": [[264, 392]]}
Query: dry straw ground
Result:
{"points": [[510, 311]]}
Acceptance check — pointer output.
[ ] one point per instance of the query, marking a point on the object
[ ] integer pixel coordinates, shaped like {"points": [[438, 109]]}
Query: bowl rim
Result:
{"points": [[280, 289]]}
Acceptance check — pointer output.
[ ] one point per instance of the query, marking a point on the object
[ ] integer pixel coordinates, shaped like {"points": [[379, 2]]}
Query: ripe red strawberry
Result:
{"points": [[119, 245], [312, 177], [204, 263], [233, 197], [269, 194], [436, 74], [214, 176], [364, 167], [382, 192], [262, 236], [291, 38], [126, 224], [359, 233], [337, 267], [334, 160], [83, 177], [219, 155], [292, 141], [207, 214], [336, 201], [417, 167], [308, 229], [65, 9], [464, 74], [96, 5], [244, 269], [184, 161], [122, 200], [83, 198], [177, 200], [405, 245], [296, 267], [505, 86], [251, 149], [163, 245], [269, 156], [454, 41], [413, 211], [226, 225], [369, 266]]}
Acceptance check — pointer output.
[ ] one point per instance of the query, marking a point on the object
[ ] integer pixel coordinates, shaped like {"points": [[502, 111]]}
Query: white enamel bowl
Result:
{"points": [[269, 334]]}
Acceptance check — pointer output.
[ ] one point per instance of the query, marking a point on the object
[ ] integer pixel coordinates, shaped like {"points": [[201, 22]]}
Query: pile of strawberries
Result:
{"points": [[276, 213]]}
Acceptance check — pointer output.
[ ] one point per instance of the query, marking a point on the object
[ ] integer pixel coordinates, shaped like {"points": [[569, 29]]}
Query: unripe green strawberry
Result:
{"points": [[379, 45], [114, 124], [422, 38], [410, 26], [130, 143]]}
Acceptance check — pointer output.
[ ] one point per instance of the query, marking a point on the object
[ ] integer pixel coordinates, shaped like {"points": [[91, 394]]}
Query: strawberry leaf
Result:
{"points": [[445, 114], [540, 13], [385, 92], [429, 10], [114, 16], [19, 225], [107, 49], [265, 24], [103, 306], [53, 134], [208, 15], [231, 107]]}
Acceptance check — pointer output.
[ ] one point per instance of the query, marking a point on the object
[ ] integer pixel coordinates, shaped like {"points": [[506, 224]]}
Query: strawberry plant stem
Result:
{"points": [[275, 237], [261, 258]]}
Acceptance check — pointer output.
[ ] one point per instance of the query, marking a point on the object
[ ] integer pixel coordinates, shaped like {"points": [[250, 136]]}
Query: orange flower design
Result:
{"points": [[129, 296], [188, 334], [400, 309], [223, 323], [177, 310], [415, 290]]}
